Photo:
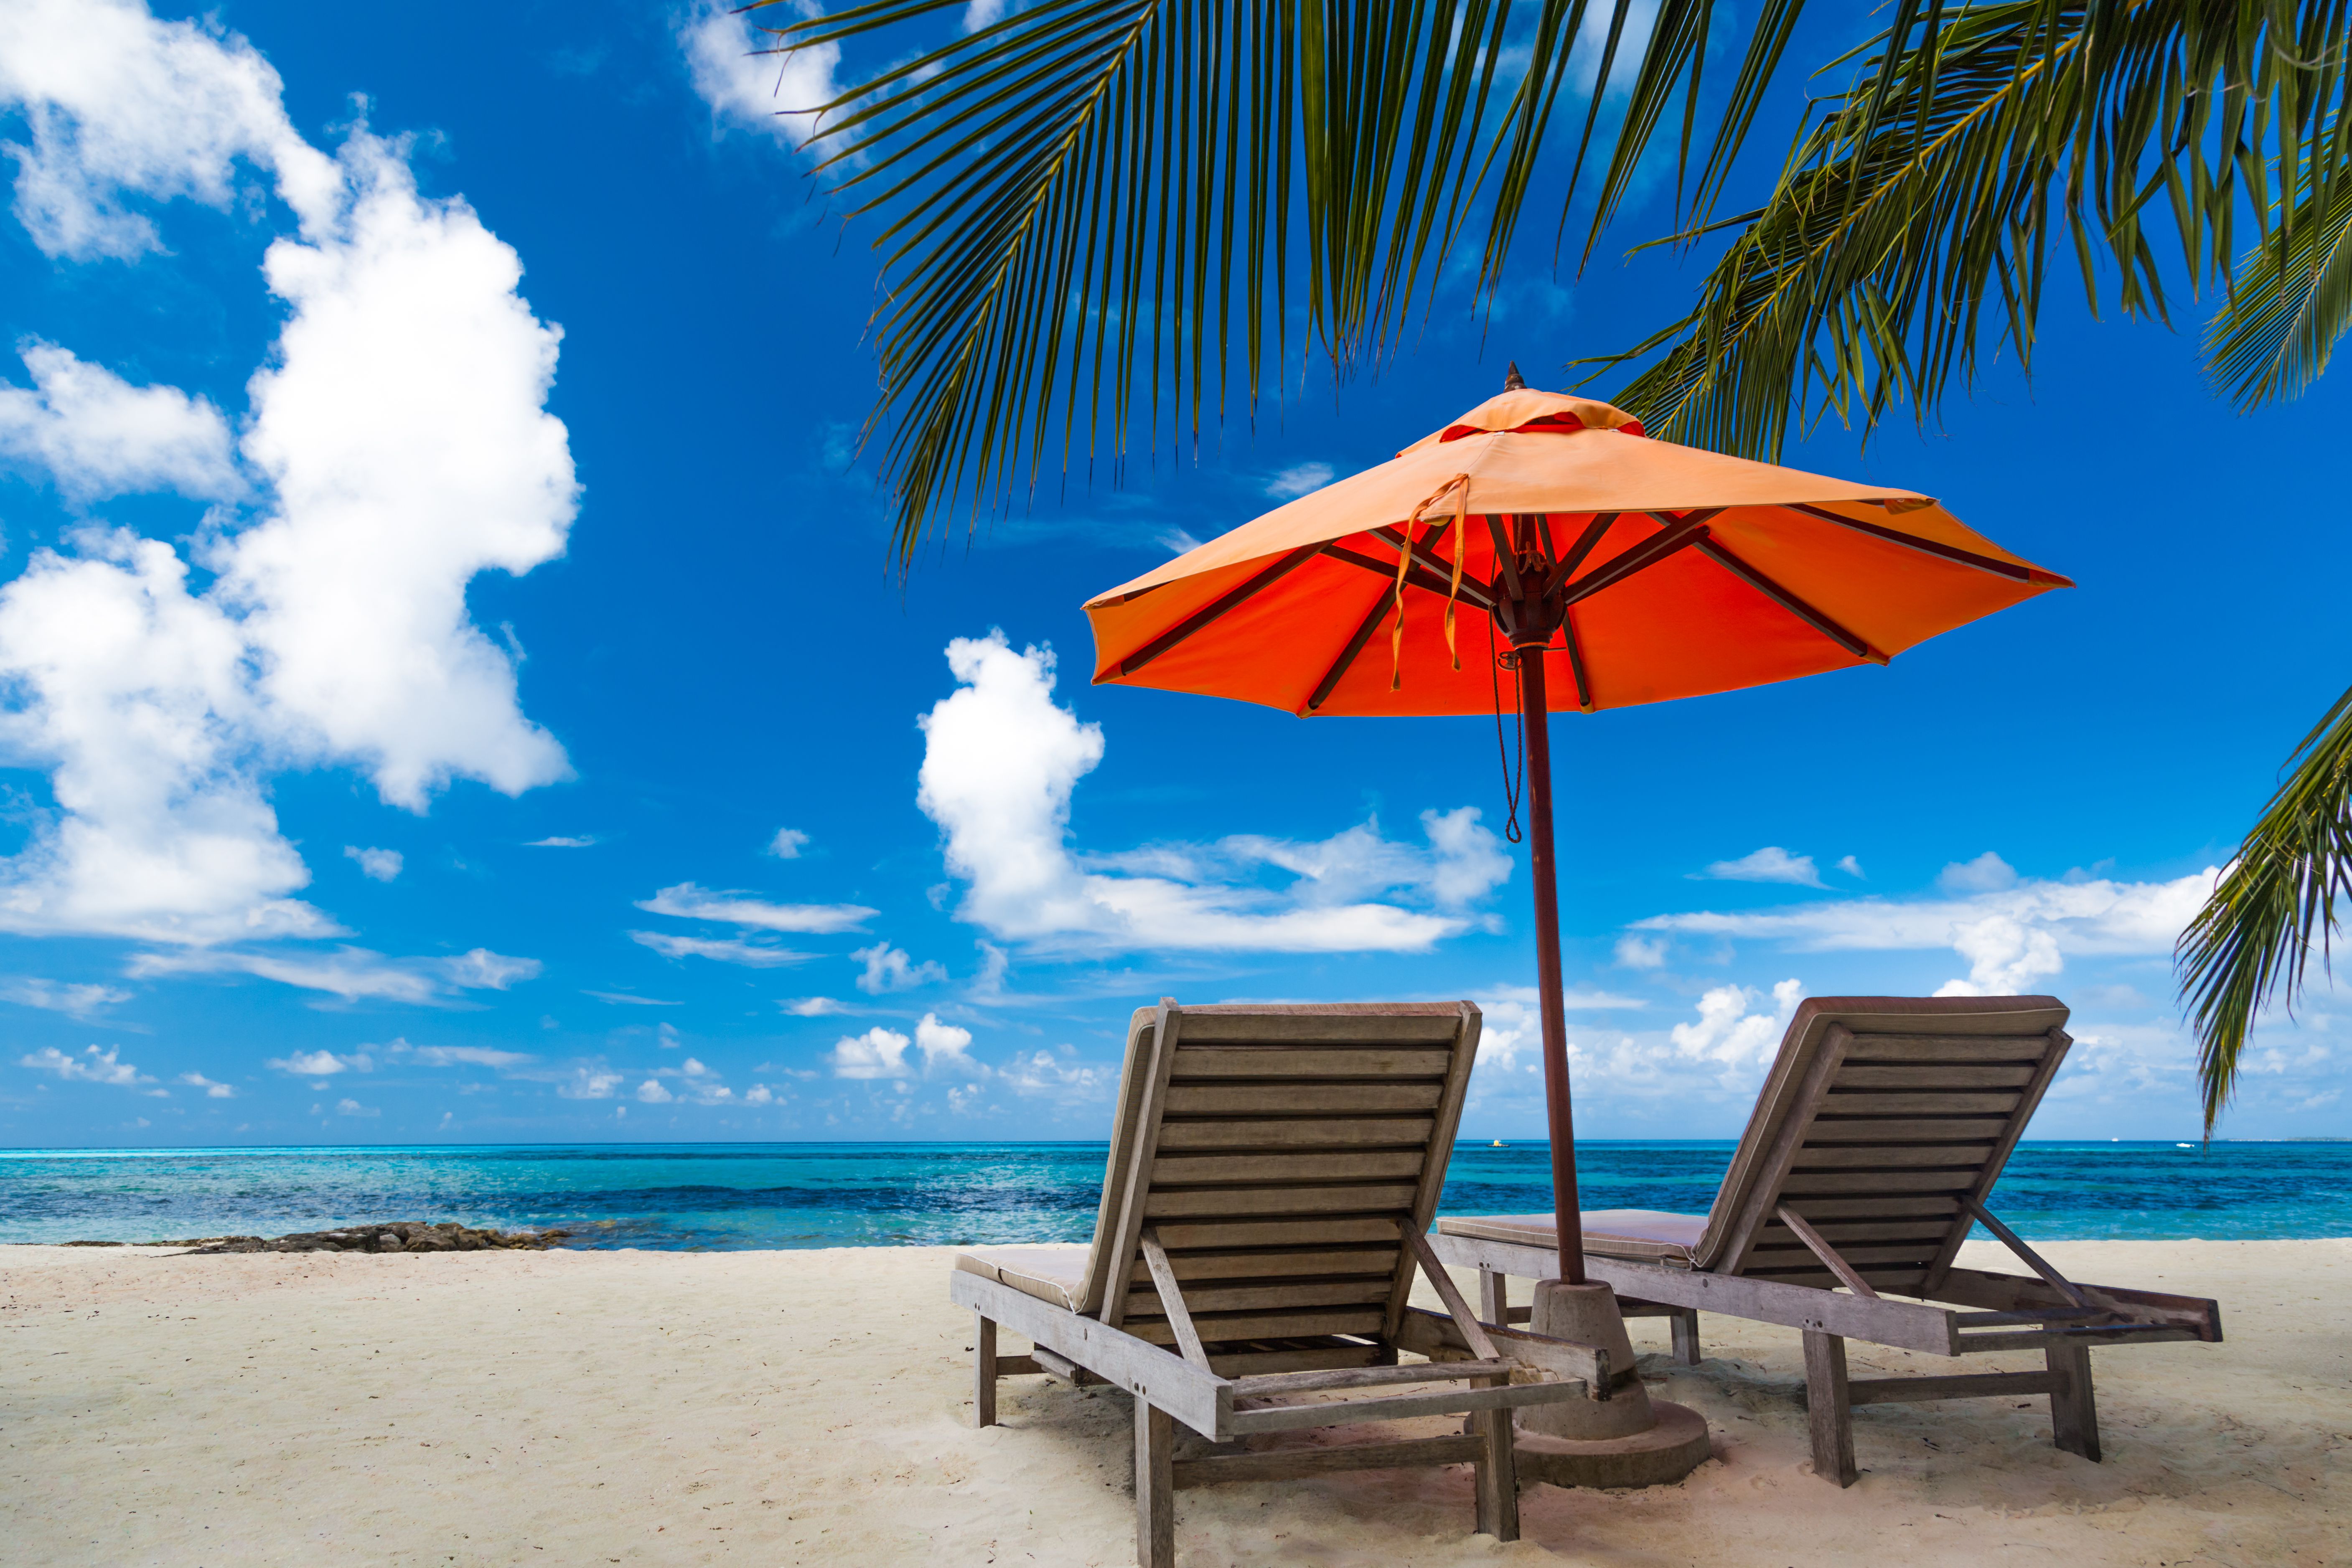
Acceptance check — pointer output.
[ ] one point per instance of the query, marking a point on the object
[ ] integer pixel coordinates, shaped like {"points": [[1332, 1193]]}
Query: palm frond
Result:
{"points": [[1970, 145], [2277, 899], [2292, 301], [1092, 212]]}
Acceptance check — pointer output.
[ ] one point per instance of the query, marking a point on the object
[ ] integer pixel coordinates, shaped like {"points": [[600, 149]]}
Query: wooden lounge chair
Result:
{"points": [[1272, 1173], [1879, 1133]]}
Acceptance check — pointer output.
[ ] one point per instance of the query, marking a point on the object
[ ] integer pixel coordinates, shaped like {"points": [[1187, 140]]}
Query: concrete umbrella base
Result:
{"points": [[1665, 1454]]}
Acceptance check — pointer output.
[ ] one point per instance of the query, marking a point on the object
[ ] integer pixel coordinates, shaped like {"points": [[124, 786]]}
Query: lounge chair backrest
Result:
{"points": [[1880, 1116], [1278, 1153]]}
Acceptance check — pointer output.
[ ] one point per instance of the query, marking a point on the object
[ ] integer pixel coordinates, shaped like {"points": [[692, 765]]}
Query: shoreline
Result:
{"points": [[812, 1405]]}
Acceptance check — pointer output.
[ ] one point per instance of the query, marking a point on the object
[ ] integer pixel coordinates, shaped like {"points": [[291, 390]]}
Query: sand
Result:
{"points": [[787, 1407]]}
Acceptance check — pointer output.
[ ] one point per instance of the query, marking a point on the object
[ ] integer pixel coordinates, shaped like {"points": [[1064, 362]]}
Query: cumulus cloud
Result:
{"points": [[1769, 864], [652, 1093], [1735, 1031], [353, 1108], [2015, 933], [722, 950], [1042, 1075], [589, 1083], [382, 865], [889, 968], [758, 1094], [1302, 478], [811, 1006], [213, 1088], [788, 843], [877, 1053], [321, 1063], [748, 88], [1001, 760], [93, 1066], [687, 902], [947, 1049], [1987, 873], [96, 435], [75, 1001], [396, 446], [1640, 951], [1510, 1026]]}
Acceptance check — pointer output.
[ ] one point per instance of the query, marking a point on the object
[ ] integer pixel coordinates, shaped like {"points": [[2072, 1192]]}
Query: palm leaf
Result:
{"points": [[1092, 213], [2273, 337], [2250, 942]]}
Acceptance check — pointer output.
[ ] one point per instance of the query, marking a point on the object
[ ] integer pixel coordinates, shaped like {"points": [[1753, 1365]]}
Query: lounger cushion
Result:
{"points": [[1054, 1274], [1651, 1236]]}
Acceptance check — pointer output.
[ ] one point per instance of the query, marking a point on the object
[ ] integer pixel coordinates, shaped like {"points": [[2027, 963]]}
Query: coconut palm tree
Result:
{"points": [[1098, 218]]}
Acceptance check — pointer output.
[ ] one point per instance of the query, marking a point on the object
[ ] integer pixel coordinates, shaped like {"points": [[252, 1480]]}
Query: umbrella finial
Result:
{"points": [[1512, 380]]}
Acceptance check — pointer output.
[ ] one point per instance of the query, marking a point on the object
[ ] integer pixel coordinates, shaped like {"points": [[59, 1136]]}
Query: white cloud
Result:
{"points": [[353, 1108], [1640, 952], [887, 968], [1851, 867], [456, 1056], [687, 902], [1511, 1022], [877, 1053], [723, 949], [811, 1006], [350, 972], [622, 998], [382, 865], [590, 1083], [119, 103], [788, 843], [213, 1088], [1299, 480], [947, 1049], [321, 1063], [75, 1001], [758, 1094], [1731, 1035], [652, 1093], [754, 91], [665, 1036], [1001, 760], [1043, 1075], [2013, 936], [1769, 864], [1987, 873], [100, 436], [398, 443], [979, 13], [558, 841], [93, 1066]]}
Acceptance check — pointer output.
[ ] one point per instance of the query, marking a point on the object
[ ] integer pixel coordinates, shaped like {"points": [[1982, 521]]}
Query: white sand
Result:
{"points": [[757, 1407]]}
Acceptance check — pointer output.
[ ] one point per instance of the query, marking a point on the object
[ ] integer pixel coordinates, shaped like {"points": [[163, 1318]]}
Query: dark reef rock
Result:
{"points": [[396, 1236]]}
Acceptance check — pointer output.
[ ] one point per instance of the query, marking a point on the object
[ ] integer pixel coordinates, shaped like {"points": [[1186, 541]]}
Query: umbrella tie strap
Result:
{"points": [[1510, 785], [1458, 490]]}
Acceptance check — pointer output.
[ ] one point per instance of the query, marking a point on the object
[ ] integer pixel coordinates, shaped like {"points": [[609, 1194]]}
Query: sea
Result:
{"points": [[727, 1196]]}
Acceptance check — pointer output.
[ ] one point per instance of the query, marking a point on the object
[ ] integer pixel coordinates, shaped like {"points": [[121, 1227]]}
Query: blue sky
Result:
{"points": [[456, 689]]}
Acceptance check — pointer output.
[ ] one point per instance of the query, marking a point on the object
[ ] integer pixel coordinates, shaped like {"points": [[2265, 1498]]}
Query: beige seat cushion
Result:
{"points": [[1649, 1235], [1055, 1274]]}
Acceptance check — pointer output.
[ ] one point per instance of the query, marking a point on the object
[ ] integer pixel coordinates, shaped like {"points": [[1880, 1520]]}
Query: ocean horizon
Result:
{"points": [[749, 1196]]}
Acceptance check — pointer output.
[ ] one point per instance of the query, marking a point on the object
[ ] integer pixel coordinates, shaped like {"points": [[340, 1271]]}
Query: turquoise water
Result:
{"points": [[729, 1196]]}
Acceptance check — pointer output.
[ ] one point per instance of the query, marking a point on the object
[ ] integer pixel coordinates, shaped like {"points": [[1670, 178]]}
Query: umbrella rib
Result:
{"points": [[1504, 556], [1430, 564], [1576, 659], [1790, 603], [1949, 552], [1373, 619], [1415, 576], [1600, 524], [1687, 529], [1216, 608]]}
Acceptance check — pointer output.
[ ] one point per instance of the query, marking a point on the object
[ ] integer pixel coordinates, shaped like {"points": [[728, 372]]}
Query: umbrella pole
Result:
{"points": [[1534, 717]]}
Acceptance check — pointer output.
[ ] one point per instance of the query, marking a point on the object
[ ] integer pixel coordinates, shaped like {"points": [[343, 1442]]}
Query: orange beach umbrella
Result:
{"points": [[1632, 570]]}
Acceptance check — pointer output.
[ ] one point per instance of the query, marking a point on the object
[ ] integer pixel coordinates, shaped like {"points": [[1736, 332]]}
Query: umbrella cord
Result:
{"points": [[1513, 780]]}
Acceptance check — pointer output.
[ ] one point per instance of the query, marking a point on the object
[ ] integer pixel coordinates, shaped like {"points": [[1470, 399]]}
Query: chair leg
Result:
{"points": [[2073, 1410], [1494, 1297], [1155, 1487], [1496, 1473], [983, 1372], [1685, 1326], [1828, 1416]]}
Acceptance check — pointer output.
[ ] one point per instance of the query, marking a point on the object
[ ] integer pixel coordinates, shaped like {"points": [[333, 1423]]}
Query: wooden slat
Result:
{"points": [[1401, 1407], [1223, 1202], [1201, 1170], [1801, 1183], [1384, 1025], [1186, 1237], [2054, 1057], [1934, 1075], [1886, 1156], [1948, 1048], [1199, 1399], [1795, 1254], [1300, 1099], [1900, 1280], [1367, 1377], [1279, 1295], [1962, 1385], [1216, 1329], [1171, 1298], [1831, 1257], [1311, 1132], [1468, 1022], [1295, 1358], [1927, 1228], [1835, 1129], [1957, 1103], [1189, 1267], [1194, 1063], [1295, 1464], [1879, 1206]]}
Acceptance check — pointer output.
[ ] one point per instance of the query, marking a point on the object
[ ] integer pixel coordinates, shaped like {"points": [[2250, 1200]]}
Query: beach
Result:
{"points": [[813, 1406]]}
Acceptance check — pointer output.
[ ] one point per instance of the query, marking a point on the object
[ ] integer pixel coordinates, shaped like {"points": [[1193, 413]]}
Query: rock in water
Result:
{"points": [[398, 1235]]}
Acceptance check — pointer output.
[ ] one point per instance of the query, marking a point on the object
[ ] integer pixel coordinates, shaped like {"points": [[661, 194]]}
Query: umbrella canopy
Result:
{"points": [[1621, 570], [1687, 573]]}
